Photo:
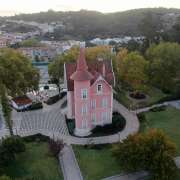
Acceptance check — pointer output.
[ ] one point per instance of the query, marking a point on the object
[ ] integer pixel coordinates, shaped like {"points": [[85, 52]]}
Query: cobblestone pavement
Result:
{"points": [[50, 121]]}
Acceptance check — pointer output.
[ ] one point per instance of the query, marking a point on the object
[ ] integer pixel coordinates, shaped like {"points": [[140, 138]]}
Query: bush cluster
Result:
{"points": [[55, 147], [53, 100], [151, 151], [117, 125], [9, 147]]}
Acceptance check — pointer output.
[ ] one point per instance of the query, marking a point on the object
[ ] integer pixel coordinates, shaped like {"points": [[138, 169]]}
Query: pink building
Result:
{"points": [[89, 93]]}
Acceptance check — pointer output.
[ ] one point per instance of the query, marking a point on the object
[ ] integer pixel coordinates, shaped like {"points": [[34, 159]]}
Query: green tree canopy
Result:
{"points": [[132, 69], [151, 151], [30, 43], [164, 65], [17, 74]]}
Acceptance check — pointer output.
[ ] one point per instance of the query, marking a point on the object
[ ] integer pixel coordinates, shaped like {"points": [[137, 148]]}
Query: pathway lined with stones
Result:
{"points": [[69, 165], [175, 104], [146, 109]]}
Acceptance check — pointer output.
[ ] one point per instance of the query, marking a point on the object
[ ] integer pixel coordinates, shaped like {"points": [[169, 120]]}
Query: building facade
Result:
{"points": [[89, 93]]}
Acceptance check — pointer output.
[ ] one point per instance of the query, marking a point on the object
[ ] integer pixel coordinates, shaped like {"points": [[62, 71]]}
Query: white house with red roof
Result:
{"points": [[89, 93]]}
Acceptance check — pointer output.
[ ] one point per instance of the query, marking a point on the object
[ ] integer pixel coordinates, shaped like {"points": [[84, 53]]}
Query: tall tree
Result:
{"points": [[132, 70], [164, 65], [152, 151], [17, 76]]}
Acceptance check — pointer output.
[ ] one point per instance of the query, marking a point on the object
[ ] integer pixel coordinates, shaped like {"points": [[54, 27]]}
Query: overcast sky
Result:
{"points": [[10, 7]]}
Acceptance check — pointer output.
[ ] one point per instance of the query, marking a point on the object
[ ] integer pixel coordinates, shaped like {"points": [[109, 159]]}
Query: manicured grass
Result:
{"points": [[96, 164], [168, 120], [153, 96], [35, 162]]}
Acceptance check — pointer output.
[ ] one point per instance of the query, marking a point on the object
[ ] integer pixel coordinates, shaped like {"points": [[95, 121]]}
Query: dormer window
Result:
{"points": [[84, 93], [99, 88]]}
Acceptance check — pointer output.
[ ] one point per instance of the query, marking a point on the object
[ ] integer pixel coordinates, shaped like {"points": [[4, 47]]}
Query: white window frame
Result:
{"points": [[104, 103], [93, 117], [99, 91], [104, 116], [84, 123], [93, 104], [84, 93], [84, 109]]}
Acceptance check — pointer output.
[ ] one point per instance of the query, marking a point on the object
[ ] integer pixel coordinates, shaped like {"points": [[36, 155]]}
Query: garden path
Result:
{"points": [[69, 165], [175, 104], [137, 175]]}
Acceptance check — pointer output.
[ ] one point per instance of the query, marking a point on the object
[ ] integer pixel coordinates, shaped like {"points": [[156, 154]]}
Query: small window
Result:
{"points": [[84, 109], [99, 88], [104, 103], [93, 104], [94, 118], [84, 123], [84, 93], [104, 116]]}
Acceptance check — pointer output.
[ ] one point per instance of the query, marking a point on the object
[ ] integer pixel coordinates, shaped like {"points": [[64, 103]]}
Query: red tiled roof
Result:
{"points": [[95, 69], [23, 100]]}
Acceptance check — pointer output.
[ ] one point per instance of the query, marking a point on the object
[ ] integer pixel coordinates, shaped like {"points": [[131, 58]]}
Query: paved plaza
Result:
{"points": [[48, 121]]}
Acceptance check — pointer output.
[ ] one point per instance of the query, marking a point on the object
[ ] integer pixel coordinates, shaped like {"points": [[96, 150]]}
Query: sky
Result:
{"points": [[11, 7]]}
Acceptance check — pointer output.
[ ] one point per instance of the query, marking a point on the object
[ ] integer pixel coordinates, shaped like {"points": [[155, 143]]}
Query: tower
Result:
{"points": [[82, 80]]}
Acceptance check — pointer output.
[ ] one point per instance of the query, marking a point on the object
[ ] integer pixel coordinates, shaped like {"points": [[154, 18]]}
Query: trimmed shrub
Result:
{"points": [[37, 137], [71, 125], [53, 100], [14, 144], [118, 124], [9, 148], [33, 106], [137, 95]]}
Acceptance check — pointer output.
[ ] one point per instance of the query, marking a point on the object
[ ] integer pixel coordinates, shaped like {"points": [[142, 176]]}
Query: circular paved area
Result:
{"points": [[50, 121]]}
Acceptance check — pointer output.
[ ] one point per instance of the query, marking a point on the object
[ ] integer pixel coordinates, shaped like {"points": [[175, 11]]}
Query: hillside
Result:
{"points": [[89, 24]]}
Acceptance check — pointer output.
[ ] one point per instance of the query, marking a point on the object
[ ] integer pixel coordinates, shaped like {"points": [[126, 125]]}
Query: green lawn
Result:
{"points": [[168, 120], [35, 162], [153, 96], [96, 164]]}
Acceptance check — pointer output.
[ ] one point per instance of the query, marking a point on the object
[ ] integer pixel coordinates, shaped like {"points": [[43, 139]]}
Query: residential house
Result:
{"points": [[89, 93]]}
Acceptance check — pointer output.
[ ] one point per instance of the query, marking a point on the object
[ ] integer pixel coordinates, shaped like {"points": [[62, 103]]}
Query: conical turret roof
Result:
{"points": [[81, 73]]}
